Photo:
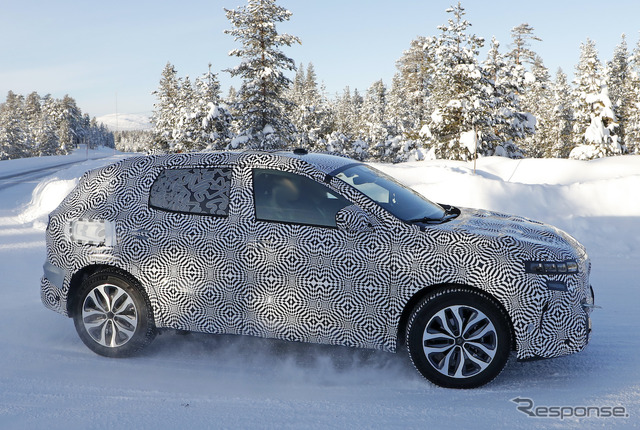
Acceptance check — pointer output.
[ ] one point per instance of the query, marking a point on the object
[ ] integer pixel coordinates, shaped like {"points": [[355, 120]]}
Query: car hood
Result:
{"points": [[495, 225]]}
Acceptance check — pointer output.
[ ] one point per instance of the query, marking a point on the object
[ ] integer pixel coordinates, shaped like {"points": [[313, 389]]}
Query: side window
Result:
{"points": [[196, 191], [287, 197]]}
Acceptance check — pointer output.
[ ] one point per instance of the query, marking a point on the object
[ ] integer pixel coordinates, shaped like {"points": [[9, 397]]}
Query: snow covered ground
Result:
{"points": [[125, 121], [49, 379]]}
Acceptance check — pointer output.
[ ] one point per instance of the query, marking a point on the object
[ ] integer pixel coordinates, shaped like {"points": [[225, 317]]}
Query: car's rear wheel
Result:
{"points": [[112, 314], [458, 338]]}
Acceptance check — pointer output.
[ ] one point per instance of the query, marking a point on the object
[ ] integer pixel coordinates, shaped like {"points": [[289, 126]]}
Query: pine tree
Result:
{"points": [[522, 35], [410, 88], [461, 120], [509, 123], [561, 127], [537, 99], [13, 135], [594, 129], [374, 128], [617, 77], [48, 141], [308, 109], [261, 98], [68, 124], [348, 116], [632, 88], [163, 117], [33, 118], [214, 119], [186, 132]]}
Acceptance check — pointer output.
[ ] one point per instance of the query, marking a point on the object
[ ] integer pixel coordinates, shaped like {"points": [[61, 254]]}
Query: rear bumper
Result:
{"points": [[51, 288]]}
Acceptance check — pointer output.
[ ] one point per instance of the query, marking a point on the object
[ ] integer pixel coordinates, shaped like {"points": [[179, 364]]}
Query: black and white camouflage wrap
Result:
{"points": [[215, 268]]}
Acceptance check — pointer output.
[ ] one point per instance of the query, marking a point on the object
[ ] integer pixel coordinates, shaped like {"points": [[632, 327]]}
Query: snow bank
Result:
{"points": [[539, 188], [50, 191], [45, 198], [563, 193]]}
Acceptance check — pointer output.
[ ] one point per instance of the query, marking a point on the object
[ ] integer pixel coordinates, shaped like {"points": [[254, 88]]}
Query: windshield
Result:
{"points": [[401, 201]]}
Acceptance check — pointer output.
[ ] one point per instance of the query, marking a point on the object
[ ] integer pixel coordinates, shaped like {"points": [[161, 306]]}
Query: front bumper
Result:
{"points": [[563, 326]]}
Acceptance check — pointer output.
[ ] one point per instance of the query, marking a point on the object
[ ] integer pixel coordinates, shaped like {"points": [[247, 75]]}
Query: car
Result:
{"points": [[310, 247]]}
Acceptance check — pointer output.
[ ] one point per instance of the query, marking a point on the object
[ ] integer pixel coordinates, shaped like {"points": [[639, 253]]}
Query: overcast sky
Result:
{"points": [[94, 51]]}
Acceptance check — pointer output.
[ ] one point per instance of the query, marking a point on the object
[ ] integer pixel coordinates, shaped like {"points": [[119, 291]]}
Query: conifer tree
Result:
{"points": [[213, 117], [632, 124], [308, 109], [12, 128], [522, 35], [537, 100], [374, 129], [617, 79], [164, 118], [48, 142], [261, 98], [346, 115], [461, 121], [561, 127], [509, 123], [594, 129], [410, 89]]}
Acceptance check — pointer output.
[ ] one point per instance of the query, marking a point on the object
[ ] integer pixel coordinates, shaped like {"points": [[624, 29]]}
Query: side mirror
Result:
{"points": [[352, 218]]}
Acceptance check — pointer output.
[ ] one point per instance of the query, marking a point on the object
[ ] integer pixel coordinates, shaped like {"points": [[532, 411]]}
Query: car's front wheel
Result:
{"points": [[112, 314], [458, 338]]}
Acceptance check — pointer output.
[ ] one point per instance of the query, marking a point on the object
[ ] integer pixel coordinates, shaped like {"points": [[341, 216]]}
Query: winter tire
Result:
{"points": [[112, 315], [458, 338]]}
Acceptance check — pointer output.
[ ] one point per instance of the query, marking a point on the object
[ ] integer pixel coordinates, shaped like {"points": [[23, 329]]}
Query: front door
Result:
{"points": [[308, 280]]}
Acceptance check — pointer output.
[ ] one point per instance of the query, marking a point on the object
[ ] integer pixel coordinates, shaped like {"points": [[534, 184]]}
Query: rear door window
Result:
{"points": [[203, 191]]}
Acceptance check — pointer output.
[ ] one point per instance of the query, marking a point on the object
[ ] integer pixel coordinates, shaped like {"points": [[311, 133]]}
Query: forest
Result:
{"points": [[443, 102], [42, 125]]}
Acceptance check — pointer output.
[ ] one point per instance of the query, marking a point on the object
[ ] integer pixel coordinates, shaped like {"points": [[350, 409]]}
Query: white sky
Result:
{"points": [[95, 50]]}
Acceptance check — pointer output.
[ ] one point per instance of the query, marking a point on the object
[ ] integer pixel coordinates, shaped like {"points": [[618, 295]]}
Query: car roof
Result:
{"points": [[324, 162]]}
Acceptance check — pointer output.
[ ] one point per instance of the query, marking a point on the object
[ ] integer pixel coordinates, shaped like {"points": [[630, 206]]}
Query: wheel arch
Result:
{"points": [[78, 278], [420, 294]]}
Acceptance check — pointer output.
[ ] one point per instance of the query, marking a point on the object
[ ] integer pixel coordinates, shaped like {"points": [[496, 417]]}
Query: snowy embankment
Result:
{"points": [[49, 379]]}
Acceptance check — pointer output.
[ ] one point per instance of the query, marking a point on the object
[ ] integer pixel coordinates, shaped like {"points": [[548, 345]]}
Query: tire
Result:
{"points": [[458, 338], [112, 314]]}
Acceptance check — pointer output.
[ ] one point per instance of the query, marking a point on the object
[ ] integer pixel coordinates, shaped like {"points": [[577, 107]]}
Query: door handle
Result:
{"points": [[141, 233], [266, 243]]}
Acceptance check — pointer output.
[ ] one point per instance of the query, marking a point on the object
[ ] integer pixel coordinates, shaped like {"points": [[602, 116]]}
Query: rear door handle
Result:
{"points": [[141, 233]]}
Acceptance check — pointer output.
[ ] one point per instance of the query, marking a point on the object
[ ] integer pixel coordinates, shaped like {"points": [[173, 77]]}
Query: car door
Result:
{"points": [[309, 280], [185, 238]]}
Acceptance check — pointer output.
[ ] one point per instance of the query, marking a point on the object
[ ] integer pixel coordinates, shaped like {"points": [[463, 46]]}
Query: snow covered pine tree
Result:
{"points": [[261, 100]]}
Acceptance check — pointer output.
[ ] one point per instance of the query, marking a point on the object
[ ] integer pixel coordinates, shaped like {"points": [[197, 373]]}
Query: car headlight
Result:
{"points": [[551, 267]]}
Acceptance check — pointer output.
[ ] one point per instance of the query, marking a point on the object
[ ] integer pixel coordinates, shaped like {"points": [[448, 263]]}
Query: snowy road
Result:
{"points": [[49, 379], [31, 176]]}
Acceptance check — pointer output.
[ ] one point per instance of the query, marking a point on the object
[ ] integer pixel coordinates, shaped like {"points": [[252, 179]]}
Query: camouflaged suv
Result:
{"points": [[313, 248]]}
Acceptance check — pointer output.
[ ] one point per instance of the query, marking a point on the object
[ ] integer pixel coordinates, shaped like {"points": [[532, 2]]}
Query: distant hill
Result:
{"points": [[125, 122]]}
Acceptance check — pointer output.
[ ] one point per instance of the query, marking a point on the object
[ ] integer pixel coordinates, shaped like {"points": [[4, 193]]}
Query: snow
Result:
{"points": [[49, 379], [596, 132], [469, 140], [529, 78], [238, 141]]}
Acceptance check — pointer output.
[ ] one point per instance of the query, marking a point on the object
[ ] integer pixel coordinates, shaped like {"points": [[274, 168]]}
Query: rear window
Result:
{"points": [[203, 191]]}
